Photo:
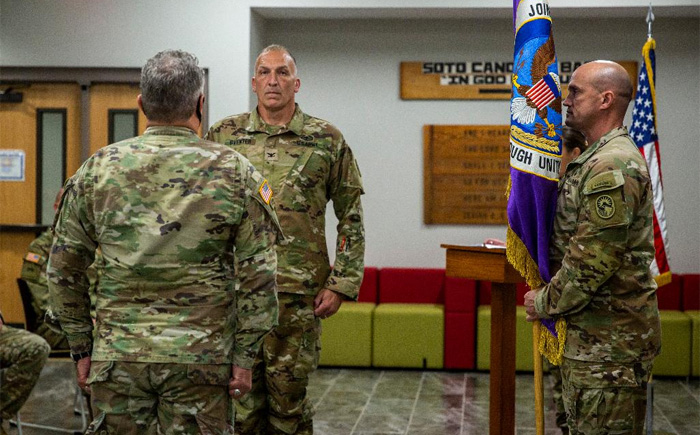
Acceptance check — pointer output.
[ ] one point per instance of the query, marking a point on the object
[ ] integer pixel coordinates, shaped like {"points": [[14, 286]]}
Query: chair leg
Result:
{"points": [[17, 422], [649, 422]]}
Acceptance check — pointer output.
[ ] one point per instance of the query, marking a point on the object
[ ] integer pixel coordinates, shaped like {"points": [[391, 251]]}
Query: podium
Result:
{"points": [[484, 264]]}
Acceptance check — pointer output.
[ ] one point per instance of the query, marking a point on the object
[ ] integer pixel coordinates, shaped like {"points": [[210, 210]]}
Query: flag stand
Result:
{"points": [[539, 389]]}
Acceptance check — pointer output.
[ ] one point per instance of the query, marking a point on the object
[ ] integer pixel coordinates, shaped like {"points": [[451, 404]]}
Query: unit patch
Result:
{"points": [[605, 206], [265, 192]]}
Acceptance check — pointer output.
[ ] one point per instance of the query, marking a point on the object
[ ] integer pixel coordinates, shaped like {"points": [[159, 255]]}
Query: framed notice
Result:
{"points": [[465, 174], [475, 80], [12, 165]]}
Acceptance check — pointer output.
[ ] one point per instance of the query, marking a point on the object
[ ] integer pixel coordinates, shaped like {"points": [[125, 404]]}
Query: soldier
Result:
{"points": [[22, 356], [187, 289], [601, 250], [34, 273], [574, 144], [308, 163]]}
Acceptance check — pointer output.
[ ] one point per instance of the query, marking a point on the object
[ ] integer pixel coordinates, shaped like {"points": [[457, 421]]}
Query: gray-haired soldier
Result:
{"points": [[188, 287]]}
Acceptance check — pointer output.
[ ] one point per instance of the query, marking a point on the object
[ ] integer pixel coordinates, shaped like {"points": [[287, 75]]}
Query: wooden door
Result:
{"points": [[113, 107], [48, 157]]}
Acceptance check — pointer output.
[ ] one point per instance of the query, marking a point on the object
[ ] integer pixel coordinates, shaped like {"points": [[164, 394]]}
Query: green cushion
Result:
{"points": [[523, 339], [408, 335], [695, 342], [674, 359], [346, 338]]}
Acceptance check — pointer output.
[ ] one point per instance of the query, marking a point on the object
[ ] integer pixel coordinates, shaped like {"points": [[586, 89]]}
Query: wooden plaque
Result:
{"points": [[465, 174], [490, 80]]}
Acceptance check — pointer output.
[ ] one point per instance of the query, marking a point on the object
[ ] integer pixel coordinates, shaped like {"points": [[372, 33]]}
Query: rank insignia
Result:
{"points": [[265, 192]]}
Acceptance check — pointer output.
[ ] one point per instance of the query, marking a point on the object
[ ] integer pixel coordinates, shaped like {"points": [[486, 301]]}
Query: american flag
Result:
{"points": [[644, 134], [544, 92], [266, 192]]}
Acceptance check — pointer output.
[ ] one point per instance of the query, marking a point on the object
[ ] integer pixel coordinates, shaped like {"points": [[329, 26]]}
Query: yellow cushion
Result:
{"points": [[674, 359], [346, 337], [408, 335]]}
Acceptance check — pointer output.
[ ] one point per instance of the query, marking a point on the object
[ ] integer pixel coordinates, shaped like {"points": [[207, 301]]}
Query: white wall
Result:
{"points": [[350, 76]]}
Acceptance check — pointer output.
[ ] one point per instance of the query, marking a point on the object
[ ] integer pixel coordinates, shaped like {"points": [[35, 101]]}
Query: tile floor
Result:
{"points": [[378, 402]]}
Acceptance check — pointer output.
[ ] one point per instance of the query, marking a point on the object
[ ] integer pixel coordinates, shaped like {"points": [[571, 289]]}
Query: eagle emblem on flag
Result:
{"points": [[536, 100]]}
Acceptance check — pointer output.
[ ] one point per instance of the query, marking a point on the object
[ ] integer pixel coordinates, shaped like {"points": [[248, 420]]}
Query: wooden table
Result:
{"points": [[480, 263]]}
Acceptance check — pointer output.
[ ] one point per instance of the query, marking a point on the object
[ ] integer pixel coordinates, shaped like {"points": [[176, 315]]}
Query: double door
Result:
{"points": [[43, 140]]}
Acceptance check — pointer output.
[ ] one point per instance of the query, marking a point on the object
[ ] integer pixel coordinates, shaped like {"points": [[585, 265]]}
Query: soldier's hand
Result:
{"points": [[530, 305], [326, 303], [241, 382], [82, 368]]}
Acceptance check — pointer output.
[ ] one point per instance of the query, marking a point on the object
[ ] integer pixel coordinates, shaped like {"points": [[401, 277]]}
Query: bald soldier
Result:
{"points": [[308, 164], [187, 291], [601, 250]]}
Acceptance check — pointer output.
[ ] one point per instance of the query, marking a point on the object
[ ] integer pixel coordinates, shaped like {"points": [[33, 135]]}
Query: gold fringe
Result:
{"points": [[663, 279], [519, 257], [552, 347], [648, 46]]}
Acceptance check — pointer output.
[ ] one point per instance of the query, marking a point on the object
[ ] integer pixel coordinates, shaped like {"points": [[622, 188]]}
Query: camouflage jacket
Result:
{"points": [[34, 272], [187, 241], [601, 250], [308, 163]]}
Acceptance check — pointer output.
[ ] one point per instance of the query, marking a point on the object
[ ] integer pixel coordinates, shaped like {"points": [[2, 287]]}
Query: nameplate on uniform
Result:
{"points": [[465, 174], [475, 80]]}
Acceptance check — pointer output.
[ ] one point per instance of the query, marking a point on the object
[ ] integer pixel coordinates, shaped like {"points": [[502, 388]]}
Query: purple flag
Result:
{"points": [[535, 146]]}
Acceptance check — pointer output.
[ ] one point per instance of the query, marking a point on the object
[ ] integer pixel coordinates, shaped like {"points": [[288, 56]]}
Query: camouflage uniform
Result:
{"points": [[555, 376], [188, 278], [34, 273], [22, 356], [308, 163], [601, 249]]}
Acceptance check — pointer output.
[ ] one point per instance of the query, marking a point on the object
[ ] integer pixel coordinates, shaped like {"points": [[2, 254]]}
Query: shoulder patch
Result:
{"points": [[605, 206], [265, 192], [33, 258]]}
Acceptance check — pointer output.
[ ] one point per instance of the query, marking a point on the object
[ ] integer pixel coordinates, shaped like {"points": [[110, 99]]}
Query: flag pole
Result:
{"points": [[539, 389]]}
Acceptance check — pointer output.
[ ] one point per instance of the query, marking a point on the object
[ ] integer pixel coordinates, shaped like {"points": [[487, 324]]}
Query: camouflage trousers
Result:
{"points": [[278, 404], [57, 340], [605, 398], [22, 356], [555, 376], [154, 398]]}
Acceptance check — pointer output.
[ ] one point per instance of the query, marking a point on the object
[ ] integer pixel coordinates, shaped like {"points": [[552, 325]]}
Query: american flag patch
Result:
{"points": [[265, 192], [544, 92], [31, 257]]}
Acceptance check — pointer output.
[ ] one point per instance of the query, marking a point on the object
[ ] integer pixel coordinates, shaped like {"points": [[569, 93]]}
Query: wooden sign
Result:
{"points": [[474, 80], [465, 173]]}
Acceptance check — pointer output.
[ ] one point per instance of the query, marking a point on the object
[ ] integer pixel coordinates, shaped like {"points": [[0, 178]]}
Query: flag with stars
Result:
{"points": [[644, 134]]}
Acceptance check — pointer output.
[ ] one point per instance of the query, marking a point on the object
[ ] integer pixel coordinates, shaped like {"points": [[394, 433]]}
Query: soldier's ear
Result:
{"points": [[297, 85], [608, 97], [139, 101]]}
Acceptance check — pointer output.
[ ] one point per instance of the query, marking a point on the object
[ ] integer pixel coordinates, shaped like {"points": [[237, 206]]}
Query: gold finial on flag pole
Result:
{"points": [[650, 20]]}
